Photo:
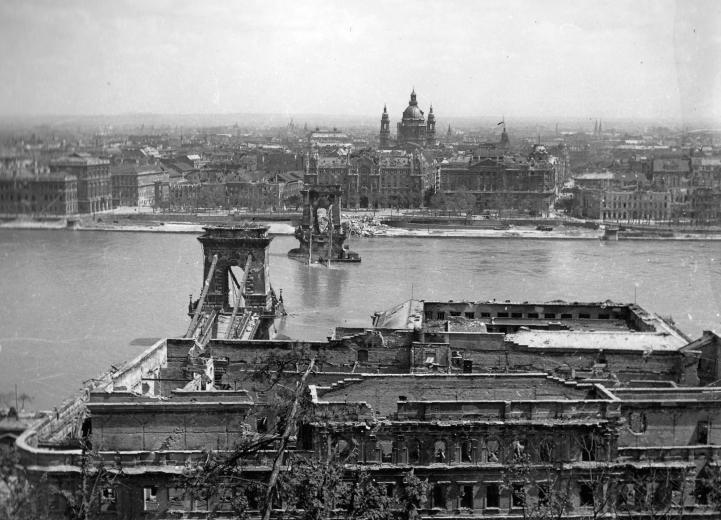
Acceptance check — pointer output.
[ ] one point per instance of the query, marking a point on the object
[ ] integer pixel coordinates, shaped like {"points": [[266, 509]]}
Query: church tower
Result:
{"points": [[385, 136], [505, 141], [431, 128]]}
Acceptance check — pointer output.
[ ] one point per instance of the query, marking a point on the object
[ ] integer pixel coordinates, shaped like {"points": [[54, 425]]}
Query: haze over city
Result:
{"points": [[610, 59]]}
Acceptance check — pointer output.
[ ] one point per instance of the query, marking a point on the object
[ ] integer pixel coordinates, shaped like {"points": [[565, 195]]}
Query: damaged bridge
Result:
{"points": [[237, 300]]}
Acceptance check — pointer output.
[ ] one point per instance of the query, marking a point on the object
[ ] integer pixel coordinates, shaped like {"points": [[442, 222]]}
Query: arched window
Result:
{"points": [[466, 451], [493, 448], [415, 451], [386, 449], [439, 451], [546, 450]]}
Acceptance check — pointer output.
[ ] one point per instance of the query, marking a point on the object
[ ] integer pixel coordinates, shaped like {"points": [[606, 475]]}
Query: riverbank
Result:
{"points": [[373, 229]]}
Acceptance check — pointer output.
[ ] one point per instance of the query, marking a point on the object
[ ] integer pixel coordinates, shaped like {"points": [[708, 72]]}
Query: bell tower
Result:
{"points": [[385, 135], [431, 128]]}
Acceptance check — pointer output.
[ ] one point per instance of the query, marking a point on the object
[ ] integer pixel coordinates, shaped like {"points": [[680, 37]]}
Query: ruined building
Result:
{"points": [[502, 407]]}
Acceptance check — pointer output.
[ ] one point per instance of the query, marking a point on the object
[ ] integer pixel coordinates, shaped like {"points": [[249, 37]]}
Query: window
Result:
{"points": [[362, 356], [440, 315], [532, 315], [470, 315], [637, 422], [550, 315], [428, 315], [176, 497], [485, 315], [199, 504], [584, 316], [518, 495], [603, 316], [543, 494], [467, 496], [386, 448], [439, 451], [493, 448], [588, 448], [415, 453], [566, 316], [390, 489], [107, 499], [502, 315], [261, 424], [492, 496], [150, 498], [702, 432], [439, 496], [546, 450], [466, 451], [455, 314], [585, 495], [702, 490], [305, 436], [516, 315]]}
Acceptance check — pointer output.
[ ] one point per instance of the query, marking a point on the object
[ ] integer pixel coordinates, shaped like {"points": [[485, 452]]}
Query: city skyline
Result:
{"points": [[612, 59]]}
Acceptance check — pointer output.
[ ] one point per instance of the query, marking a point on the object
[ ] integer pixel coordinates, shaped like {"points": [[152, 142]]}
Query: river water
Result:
{"points": [[74, 301]]}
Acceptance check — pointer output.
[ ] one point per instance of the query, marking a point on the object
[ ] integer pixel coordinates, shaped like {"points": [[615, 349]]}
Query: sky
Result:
{"points": [[658, 59]]}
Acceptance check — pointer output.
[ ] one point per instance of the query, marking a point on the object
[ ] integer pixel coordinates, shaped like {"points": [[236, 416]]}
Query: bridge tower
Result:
{"points": [[237, 280]]}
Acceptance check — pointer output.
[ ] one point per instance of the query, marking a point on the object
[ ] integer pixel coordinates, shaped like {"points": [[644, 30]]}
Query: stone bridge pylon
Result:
{"points": [[237, 299]]}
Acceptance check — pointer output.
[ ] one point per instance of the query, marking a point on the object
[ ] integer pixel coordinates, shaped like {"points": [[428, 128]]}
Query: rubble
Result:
{"points": [[364, 225]]}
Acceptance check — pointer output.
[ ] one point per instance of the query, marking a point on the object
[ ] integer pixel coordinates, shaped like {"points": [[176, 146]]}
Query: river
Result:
{"points": [[74, 301]]}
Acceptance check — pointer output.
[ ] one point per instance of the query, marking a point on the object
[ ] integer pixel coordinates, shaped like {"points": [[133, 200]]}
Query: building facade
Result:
{"points": [[54, 194], [501, 181], [135, 185], [373, 179], [95, 192]]}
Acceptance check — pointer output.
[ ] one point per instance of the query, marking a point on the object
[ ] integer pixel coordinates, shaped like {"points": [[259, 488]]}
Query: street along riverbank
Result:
{"points": [[360, 225]]}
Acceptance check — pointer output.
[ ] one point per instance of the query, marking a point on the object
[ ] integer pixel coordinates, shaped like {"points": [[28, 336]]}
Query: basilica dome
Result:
{"points": [[412, 112]]}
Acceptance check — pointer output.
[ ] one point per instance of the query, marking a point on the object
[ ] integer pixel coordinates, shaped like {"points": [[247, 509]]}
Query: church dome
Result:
{"points": [[412, 112]]}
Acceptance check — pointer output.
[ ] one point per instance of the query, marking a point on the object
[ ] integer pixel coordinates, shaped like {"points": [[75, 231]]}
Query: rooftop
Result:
{"points": [[597, 340]]}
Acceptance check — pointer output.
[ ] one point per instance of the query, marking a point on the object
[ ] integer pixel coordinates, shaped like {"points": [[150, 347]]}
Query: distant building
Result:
{"points": [[705, 205], [51, 194], [503, 181], [329, 140], [252, 195], [593, 180], [373, 179], [413, 131], [706, 171], [622, 205], [673, 174], [135, 185], [705, 197], [95, 191]]}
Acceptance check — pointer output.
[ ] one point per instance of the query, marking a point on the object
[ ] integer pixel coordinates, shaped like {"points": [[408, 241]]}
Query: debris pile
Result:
{"points": [[363, 226]]}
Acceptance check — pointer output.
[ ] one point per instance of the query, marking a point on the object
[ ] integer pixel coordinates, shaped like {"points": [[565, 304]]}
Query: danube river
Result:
{"points": [[75, 303]]}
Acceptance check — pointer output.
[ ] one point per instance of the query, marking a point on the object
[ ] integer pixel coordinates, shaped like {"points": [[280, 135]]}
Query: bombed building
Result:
{"points": [[501, 409]]}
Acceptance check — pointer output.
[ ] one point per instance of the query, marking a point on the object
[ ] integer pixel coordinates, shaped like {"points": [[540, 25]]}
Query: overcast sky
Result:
{"points": [[634, 58]]}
